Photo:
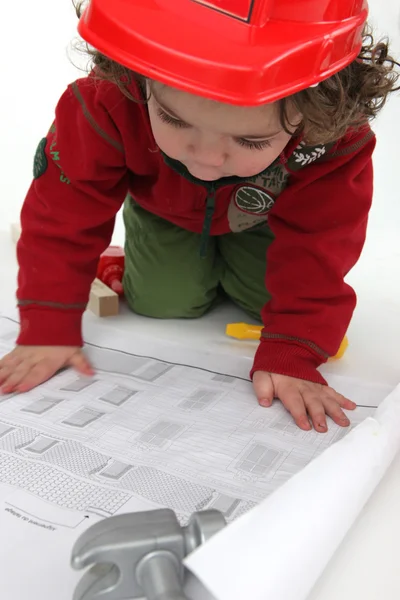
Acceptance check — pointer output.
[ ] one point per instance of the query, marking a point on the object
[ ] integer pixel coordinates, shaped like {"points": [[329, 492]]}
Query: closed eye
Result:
{"points": [[166, 118], [250, 144], [254, 145]]}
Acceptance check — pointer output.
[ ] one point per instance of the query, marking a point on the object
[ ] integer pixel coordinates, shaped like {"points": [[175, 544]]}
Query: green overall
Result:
{"points": [[166, 276]]}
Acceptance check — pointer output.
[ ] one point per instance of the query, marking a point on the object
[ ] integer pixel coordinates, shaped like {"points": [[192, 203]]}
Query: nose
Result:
{"points": [[208, 151]]}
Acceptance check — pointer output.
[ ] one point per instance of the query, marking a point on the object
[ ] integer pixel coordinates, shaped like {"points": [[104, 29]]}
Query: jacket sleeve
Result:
{"points": [[319, 224], [67, 219]]}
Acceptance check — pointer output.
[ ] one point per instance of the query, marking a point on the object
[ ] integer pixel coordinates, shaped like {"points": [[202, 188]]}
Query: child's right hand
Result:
{"points": [[28, 366]]}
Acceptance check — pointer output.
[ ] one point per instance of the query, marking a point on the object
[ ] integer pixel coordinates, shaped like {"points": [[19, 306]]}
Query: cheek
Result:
{"points": [[246, 162]]}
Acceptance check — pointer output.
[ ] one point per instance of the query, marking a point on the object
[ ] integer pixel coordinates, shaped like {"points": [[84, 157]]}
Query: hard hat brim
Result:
{"points": [[201, 51]]}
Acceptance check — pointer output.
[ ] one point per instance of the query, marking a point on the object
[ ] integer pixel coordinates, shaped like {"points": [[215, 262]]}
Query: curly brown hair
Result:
{"points": [[347, 100]]}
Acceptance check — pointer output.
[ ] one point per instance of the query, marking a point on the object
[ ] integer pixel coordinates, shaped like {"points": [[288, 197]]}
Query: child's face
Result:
{"points": [[212, 139]]}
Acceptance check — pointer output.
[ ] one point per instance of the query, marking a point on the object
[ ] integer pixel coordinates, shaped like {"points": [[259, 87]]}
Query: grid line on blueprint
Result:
{"points": [[115, 470], [76, 458], [166, 489], [83, 417], [40, 445], [128, 362], [66, 454], [258, 459], [5, 429], [176, 435], [161, 433], [58, 487], [18, 438], [199, 400], [244, 507], [118, 395], [42, 405]]}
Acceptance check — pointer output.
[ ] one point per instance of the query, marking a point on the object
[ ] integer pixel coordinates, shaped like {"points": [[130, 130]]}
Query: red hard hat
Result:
{"points": [[244, 52]]}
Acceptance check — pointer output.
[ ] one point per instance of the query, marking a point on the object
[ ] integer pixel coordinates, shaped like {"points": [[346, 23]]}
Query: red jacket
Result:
{"points": [[316, 200]]}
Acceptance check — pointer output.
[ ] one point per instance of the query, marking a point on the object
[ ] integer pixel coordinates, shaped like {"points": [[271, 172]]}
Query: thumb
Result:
{"points": [[79, 362], [263, 387]]}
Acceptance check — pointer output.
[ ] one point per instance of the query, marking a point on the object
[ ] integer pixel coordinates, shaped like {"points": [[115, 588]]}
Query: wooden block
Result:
{"points": [[103, 301], [15, 232]]}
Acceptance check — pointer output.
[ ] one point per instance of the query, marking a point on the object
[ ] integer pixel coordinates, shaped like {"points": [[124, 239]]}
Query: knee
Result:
{"points": [[159, 303]]}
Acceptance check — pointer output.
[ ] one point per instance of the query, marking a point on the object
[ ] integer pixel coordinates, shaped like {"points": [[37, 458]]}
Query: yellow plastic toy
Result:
{"points": [[245, 331]]}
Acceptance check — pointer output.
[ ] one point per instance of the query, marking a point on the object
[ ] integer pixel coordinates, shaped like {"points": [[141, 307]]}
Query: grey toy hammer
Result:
{"points": [[140, 555]]}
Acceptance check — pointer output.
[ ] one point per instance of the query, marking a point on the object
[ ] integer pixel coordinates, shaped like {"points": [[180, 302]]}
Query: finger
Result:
{"points": [[264, 388], [13, 372], [10, 360], [293, 401], [36, 375], [316, 411], [333, 409], [7, 366], [4, 360], [79, 362], [343, 401], [15, 377], [4, 373]]}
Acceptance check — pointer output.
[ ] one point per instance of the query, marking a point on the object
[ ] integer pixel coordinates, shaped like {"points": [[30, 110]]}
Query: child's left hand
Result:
{"points": [[306, 401]]}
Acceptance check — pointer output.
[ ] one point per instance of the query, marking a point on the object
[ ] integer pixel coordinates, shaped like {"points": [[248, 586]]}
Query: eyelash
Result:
{"points": [[254, 145], [166, 118]]}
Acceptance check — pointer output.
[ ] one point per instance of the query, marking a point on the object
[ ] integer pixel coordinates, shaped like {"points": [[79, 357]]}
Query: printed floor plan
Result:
{"points": [[149, 430]]}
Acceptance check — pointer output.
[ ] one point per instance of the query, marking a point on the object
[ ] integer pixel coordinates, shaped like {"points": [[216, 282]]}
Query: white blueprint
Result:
{"points": [[143, 433]]}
